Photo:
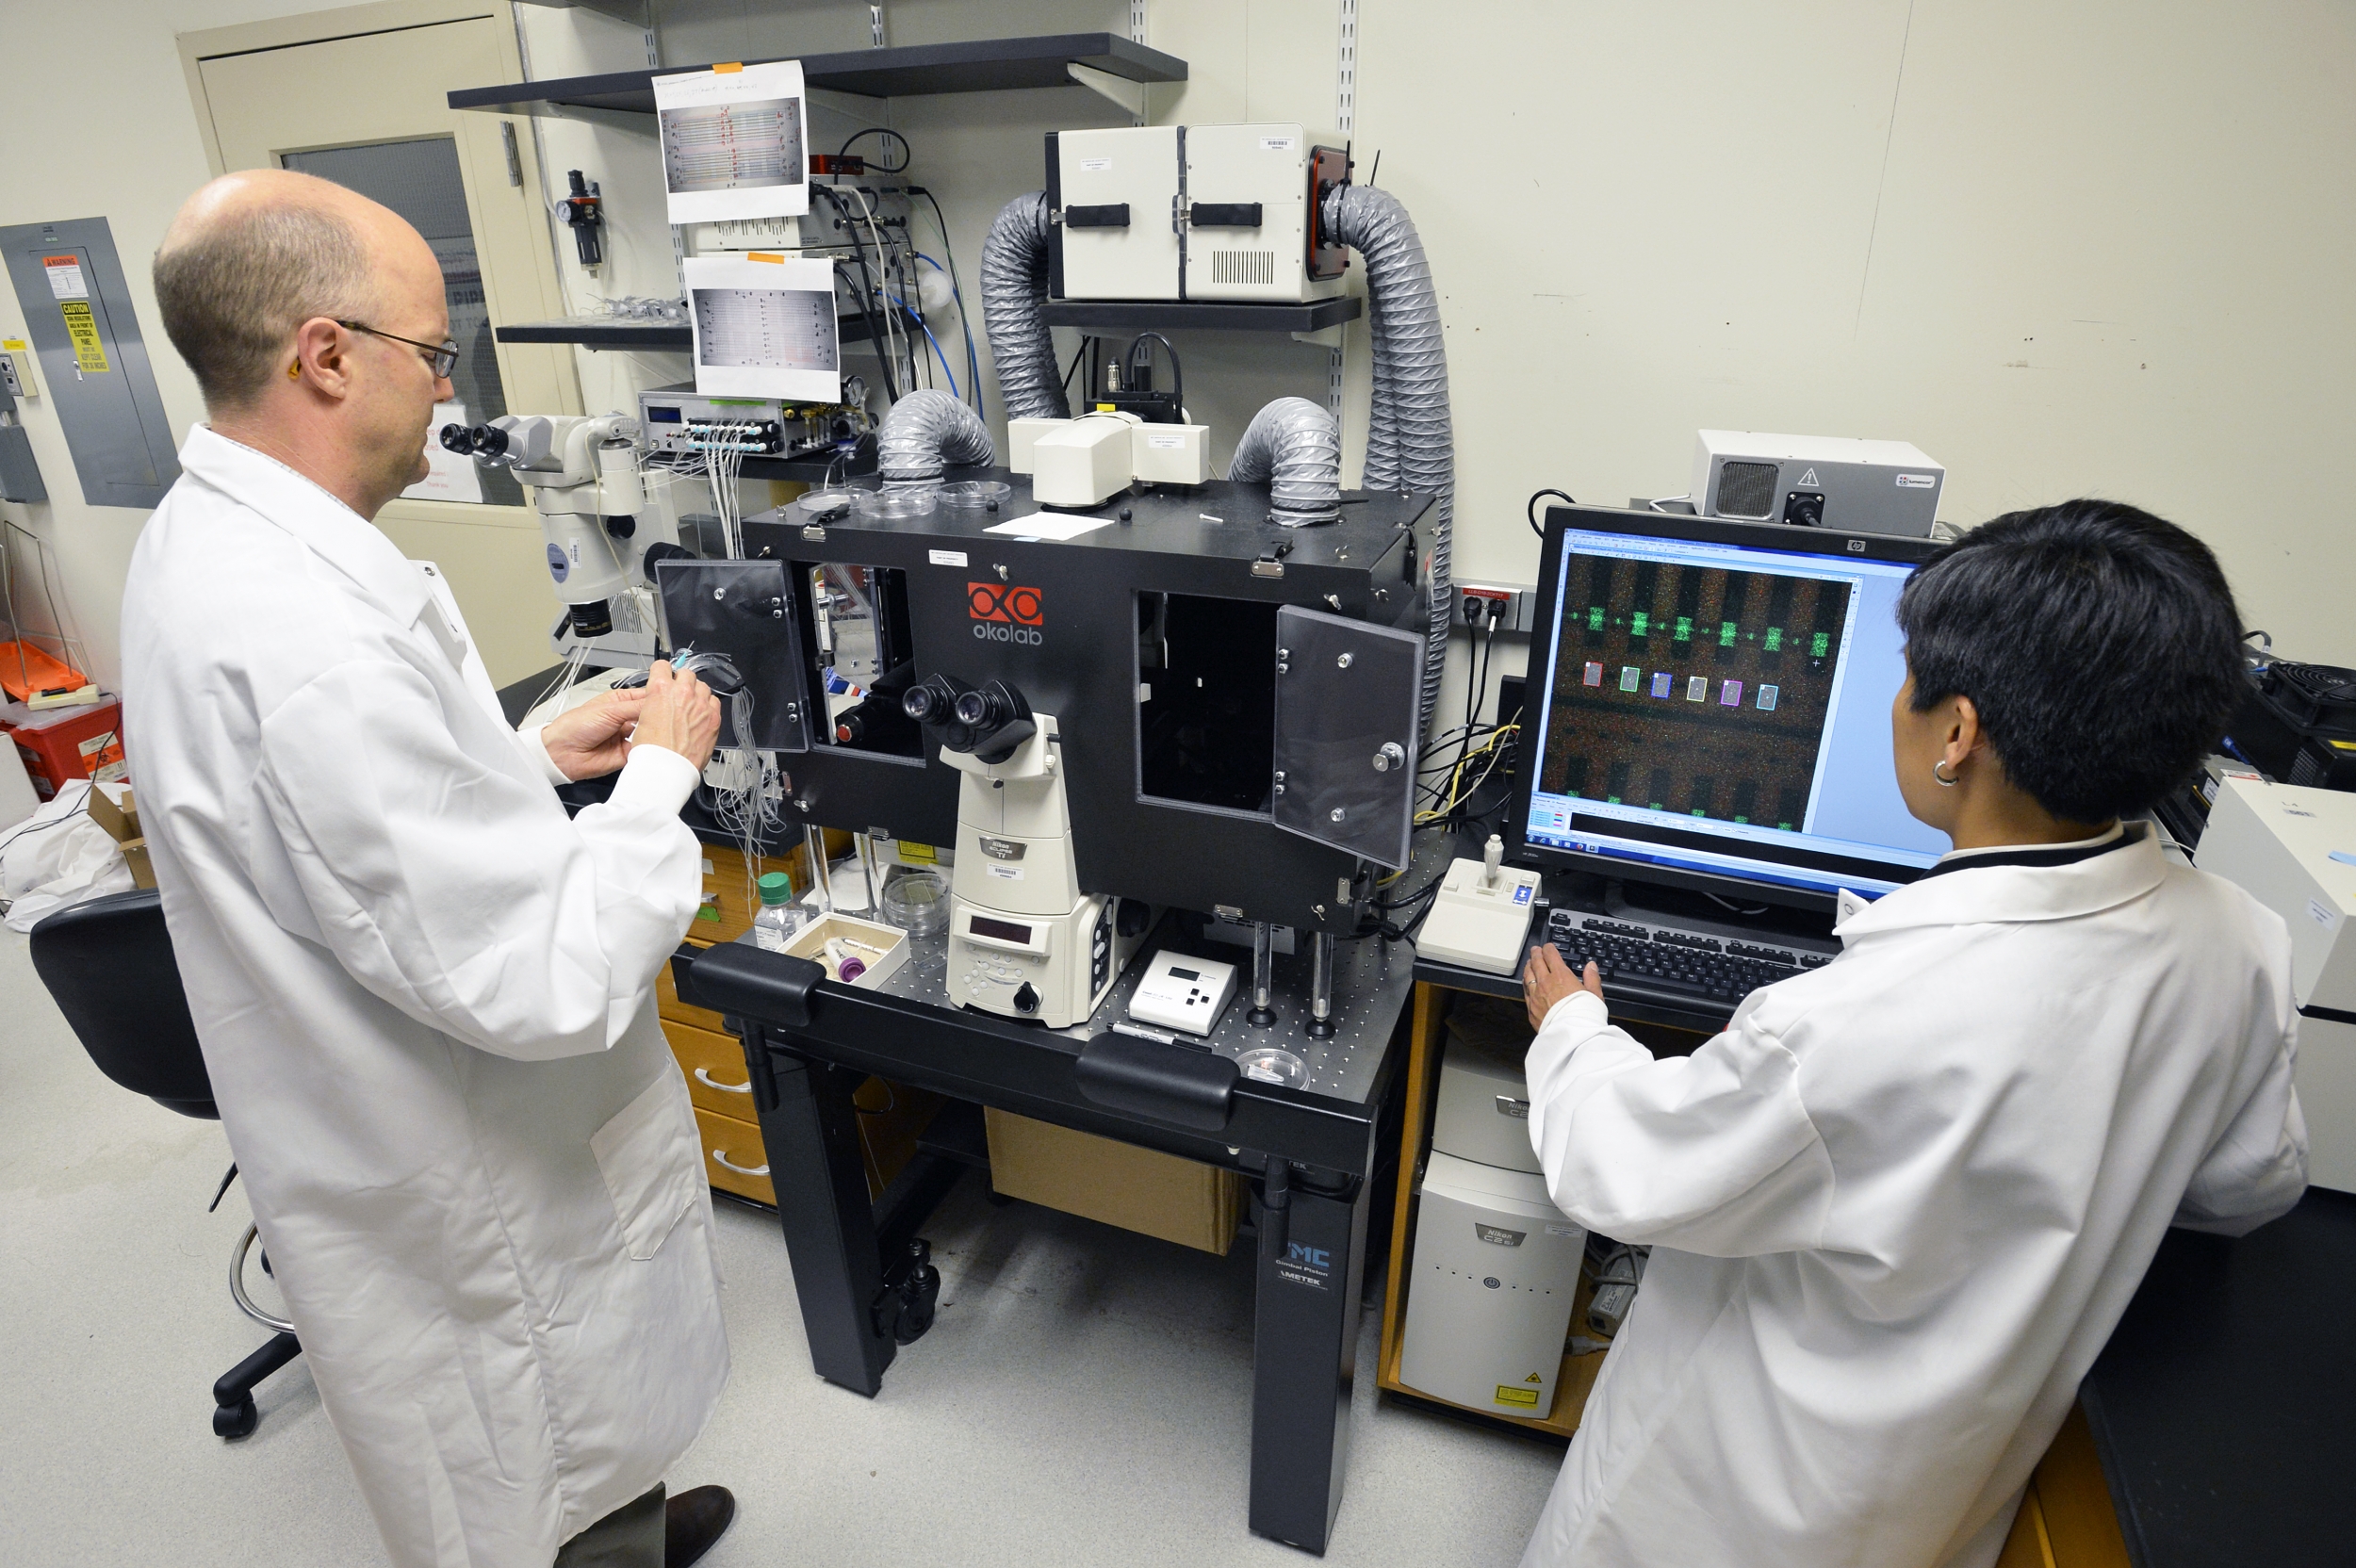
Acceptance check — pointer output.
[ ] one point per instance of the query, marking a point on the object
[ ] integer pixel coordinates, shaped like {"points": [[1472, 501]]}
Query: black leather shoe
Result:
{"points": [[692, 1521]]}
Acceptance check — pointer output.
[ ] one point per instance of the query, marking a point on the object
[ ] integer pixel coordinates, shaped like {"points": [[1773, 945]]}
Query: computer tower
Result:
{"points": [[1489, 1305], [1495, 1264]]}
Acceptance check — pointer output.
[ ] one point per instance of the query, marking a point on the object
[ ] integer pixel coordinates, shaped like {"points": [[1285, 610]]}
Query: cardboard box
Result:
{"points": [[1139, 1189], [121, 823], [882, 947]]}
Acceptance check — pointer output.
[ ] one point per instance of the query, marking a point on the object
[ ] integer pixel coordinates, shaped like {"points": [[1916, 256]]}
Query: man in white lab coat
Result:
{"points": [[423, 991], [1898, 1206]]}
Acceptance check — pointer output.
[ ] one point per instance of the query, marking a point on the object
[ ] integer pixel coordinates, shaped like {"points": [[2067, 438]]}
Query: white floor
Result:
{"points": [[1084, 1398]]}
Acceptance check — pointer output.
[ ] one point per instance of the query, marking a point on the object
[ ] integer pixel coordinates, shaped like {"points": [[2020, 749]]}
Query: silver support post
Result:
{"points": [[1262, 989], [814, 846], [873, 874], [1321, 985]]}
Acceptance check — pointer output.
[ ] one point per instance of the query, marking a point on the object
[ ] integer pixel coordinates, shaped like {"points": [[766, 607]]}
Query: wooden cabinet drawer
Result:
{"points": [[714, 1066], [730, 899], [734, 1160], [672, 1010]]}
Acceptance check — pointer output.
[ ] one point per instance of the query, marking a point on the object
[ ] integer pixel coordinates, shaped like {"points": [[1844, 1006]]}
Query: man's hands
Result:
{"points": [[672, 711], [1547, 980], [679, 713], [592, 740]]}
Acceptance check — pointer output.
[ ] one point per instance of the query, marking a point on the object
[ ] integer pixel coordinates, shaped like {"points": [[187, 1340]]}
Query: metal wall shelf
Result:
{"points": [[602, 332], [988, 65], [1202, 314]]}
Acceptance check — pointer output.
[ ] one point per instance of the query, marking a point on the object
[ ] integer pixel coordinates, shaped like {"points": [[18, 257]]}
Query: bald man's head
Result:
{"points": [[252, 256]]}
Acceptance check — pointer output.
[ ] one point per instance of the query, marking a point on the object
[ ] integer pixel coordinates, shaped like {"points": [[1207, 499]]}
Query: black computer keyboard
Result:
{"points": [[1658, 963]]}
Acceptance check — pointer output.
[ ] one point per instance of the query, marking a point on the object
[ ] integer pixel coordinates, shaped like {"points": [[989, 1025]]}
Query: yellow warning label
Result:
{"points": [[922, 855], [81, 326], [1533, 1378], [1509, 1395]]}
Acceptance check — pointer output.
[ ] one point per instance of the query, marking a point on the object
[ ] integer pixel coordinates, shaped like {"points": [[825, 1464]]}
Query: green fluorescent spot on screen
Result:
{"points": [[1774, 640], [1641, 625], [1821, 645], [1725, 634], [1685, 629]]}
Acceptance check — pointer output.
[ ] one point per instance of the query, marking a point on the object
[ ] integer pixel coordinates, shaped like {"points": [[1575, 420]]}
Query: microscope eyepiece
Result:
{"points": [[977, 708], [925, 704]]}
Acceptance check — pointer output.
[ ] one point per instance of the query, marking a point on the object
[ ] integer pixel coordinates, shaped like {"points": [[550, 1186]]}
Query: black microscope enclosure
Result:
{"points": [[1159, 642]]}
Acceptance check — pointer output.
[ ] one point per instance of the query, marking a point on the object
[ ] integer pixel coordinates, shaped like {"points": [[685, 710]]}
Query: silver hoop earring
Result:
{"points": [[1944, 782]]}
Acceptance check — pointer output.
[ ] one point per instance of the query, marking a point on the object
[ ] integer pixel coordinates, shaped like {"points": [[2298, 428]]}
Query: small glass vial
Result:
{"points": [[777, 920]]}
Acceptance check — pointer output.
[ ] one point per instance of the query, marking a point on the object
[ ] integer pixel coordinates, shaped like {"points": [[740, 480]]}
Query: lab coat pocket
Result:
{"points": [[652, 1165]]}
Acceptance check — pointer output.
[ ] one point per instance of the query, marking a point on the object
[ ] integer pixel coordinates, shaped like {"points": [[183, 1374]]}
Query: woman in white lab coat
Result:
{"points": [[1899, 1204]]}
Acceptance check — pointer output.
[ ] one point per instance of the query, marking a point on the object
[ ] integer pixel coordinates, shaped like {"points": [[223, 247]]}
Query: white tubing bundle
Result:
{"points": [[925, 433], [1014, 281], [1294, 447], [1410, 442]]}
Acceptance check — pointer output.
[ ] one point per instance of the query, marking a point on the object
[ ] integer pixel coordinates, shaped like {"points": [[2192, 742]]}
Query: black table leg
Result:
{"points": [[1304, 1356], [809, 1128]]}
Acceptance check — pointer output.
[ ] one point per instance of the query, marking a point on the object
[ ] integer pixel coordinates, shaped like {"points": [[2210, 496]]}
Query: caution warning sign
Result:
{"points": [[90, 354]]}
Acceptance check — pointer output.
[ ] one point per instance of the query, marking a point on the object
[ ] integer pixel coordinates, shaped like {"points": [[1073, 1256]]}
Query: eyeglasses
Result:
{"points": [[444, 356]]}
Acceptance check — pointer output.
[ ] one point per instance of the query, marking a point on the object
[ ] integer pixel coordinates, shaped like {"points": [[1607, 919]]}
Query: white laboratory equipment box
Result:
{"points": [[1494, 1273]]}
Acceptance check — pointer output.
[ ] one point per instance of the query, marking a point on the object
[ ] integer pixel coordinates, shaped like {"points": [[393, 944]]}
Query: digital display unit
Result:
{"points": [[1710, 703]]}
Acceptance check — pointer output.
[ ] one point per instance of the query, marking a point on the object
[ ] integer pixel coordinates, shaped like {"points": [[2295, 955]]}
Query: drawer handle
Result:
{"points": [[708, 1081], [721, 1159]]}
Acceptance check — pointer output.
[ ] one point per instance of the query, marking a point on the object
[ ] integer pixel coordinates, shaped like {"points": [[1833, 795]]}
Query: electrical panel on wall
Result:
{"points": [[93, 362]]}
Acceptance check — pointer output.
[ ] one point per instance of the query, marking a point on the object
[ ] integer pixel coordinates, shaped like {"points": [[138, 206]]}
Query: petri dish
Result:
{"points": [[888, 505], [975, 495], [823, 506], [917, 902], [1271, 1066]]}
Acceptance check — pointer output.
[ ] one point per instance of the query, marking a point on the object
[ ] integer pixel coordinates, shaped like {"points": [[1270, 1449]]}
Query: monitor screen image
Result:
{"points": [[1714, 699]]}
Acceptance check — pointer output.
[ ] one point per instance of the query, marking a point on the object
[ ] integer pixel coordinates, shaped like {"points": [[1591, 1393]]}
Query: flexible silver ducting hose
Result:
{"points": [[925, 433], [1014, 281], [1294, 447], [1410, 443]]}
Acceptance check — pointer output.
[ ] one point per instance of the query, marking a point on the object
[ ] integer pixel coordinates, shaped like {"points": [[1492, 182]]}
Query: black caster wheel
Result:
{"points": [[236, 1421]]}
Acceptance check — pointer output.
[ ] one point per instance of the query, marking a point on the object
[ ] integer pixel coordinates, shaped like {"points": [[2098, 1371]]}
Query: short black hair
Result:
{"points": [[2100, 643]]}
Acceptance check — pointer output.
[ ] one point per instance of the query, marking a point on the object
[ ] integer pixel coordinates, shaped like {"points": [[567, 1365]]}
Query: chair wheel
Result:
{"points": [[237, 1420]]}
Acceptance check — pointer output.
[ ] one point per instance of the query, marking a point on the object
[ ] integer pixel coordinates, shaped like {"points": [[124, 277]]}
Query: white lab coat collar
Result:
{"points": [[1992, 895], [323, 524]]}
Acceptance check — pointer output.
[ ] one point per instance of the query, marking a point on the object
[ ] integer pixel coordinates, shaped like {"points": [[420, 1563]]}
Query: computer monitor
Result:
{"points": [[1709, 707]]}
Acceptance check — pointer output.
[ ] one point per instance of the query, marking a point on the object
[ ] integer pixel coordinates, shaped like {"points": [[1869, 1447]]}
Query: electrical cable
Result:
{"points": [[891, 388], [883, 265], [949, 249], [1532, 509], [936, 343], [906, 153]]}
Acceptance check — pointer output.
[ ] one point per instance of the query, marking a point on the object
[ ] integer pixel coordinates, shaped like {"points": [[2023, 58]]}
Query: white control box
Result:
{"points": [[1193, 212], [1489, 1300], [1816, 482], [1084, 461], [1114, 196], [1251, 214], [1480, 919], [2293, 850], [1181, 992], [1483, 1109]]}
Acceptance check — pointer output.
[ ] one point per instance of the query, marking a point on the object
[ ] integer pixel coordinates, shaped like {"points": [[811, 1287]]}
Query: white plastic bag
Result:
{"points": [[58, 856]]}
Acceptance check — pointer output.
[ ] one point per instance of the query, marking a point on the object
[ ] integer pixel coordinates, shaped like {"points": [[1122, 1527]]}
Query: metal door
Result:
{"points": [[1347, 695], [745, 612]]}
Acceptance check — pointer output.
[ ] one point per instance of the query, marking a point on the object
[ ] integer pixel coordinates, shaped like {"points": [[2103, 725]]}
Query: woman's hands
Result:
{"points": [[1547, 980], [679, 713]]}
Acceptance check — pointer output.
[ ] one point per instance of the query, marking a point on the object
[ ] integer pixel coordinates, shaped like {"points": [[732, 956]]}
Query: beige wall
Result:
{"points": [[2062, 248]]}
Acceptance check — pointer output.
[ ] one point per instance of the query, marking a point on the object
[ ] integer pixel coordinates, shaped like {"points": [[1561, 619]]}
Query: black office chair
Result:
{"points": [[108, 963]]}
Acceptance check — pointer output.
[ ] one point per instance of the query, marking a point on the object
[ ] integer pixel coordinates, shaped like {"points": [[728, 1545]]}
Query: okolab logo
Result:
{"points": [[1007, 613]]}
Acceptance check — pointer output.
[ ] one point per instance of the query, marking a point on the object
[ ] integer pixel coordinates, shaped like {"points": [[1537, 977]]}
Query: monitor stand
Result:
{"points": [[1662, 905]]}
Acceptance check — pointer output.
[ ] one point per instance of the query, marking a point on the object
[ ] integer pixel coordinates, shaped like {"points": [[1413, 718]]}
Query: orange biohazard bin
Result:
{"points": [[60, 744]]}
